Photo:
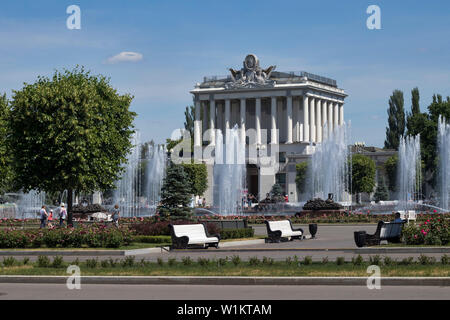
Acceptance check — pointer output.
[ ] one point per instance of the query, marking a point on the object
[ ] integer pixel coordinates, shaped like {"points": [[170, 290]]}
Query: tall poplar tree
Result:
{"points": [[396, 120]]}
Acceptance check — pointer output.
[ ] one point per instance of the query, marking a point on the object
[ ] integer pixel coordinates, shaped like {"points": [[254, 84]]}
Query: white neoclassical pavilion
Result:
{"points": [[289, 110]]}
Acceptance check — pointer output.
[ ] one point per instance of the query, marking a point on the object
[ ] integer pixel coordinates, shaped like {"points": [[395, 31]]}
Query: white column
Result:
{"points": [[197, 124], [330, 117], [336, 115], [273, 119], [205, 121], [212, 121], [319, 120], [289, 119], [227, 114], [258, 120], [312, 119], [295, 119], [341, 114], [242, 112], [305, 118], [324, 118]]}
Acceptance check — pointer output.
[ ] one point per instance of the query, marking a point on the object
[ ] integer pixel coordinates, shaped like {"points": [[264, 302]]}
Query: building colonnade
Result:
{"points": [[285, 119]]}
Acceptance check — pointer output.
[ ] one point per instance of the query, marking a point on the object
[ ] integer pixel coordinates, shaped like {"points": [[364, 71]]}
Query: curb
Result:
{"points": [[93, 253], [296, 281], [343, 250]]}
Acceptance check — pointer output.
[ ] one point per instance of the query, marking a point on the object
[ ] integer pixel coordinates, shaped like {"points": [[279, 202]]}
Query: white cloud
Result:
{"points": [[125, 56]]}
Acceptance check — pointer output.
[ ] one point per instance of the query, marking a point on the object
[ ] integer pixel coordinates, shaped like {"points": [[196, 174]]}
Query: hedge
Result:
{"points": [[152, 239], [224, 234], [237, 233]]}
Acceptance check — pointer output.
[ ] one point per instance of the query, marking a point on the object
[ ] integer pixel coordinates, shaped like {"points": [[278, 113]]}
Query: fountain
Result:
{"points": [[444, 163], [128, 188], [409, 173], [138, 191], [30, 203], [229, 172], [328, 169], [155, 172]]}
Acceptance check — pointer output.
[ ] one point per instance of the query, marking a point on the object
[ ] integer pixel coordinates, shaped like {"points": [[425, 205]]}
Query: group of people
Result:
{"points": [[47, 217]]}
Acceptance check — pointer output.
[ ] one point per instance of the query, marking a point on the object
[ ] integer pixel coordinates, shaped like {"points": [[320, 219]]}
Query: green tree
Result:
{"points": [[426, 125], [381, 193], [71, 132], [277, 190], [198, 176], [175, 193], [415, 98], [363, 174], [5, 169], [396, 120], [189, 118], [391, 171], [300, 179]]}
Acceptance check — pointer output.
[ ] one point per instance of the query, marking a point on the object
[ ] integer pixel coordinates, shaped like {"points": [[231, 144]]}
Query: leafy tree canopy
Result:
{"points": [[363, 174], [71, 131], [198, 176], [300, 179], [5, 172]]}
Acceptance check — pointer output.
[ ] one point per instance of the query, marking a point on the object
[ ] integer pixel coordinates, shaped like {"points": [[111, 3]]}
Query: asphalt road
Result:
{"points": [[210, 292]]}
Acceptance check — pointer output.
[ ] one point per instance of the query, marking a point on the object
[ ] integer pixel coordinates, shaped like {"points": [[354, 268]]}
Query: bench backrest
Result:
{"points": [[391, 230], [190, 230], [284, 226]]}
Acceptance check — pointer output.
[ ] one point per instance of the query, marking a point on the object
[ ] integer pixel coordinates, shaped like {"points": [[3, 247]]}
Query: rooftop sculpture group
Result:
{"points": [[251, 75]]}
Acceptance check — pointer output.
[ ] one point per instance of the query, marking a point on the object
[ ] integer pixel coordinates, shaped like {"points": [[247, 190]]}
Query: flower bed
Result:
{"points": [[95, 236], [433, 231]]}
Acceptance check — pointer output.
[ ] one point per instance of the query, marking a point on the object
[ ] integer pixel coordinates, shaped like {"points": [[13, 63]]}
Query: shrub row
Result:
{"points": [[93, 236], [224, 234], [237, 233], [152, 239]]}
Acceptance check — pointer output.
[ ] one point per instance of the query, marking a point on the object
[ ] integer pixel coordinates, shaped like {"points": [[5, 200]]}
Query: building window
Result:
{"points": [[282, 157]]}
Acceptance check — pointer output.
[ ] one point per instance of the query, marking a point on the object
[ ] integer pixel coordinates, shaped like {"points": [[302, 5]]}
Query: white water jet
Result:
{"points": [[30, 203], [409, 175], [155, 173], [328, 169], [229, 172], [444, 163], [127, 193]]}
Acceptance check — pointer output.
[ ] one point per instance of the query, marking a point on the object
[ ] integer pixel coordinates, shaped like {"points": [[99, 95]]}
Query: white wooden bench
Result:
{"points": [[407, 215], [192, 235], [282, 230]]}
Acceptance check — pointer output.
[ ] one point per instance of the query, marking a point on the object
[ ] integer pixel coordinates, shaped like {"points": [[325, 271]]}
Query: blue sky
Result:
{"points": [[182, 41]]}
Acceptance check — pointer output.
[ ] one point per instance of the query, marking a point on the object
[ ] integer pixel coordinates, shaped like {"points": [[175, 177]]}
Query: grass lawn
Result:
{"points": [[280, 269]]}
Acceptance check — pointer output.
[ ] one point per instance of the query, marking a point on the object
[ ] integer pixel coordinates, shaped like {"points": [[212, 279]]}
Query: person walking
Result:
{"points": [[50, 218], [116, 215], [62, 215], [43, 216]]}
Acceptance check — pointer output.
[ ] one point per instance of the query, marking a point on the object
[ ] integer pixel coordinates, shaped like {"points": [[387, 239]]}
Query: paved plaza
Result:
{"points": [[331, 241]]}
